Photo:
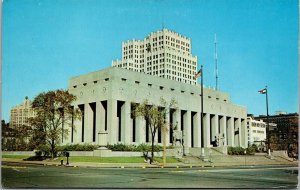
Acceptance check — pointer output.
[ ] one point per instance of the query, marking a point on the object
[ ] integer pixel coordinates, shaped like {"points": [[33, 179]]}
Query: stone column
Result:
{"points": [[126, 129], [176, 120], [230, 131], [206, 130], [223, 136], [140, 130], [187, 129], [167, 131], [244, 137], [112, 121], [156, 136], [100, 121], [237, 132], [78, 126], [88, 123], [197, 130], [214, 127]]}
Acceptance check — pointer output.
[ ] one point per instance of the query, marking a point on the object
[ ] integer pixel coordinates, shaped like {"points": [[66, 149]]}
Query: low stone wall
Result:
{"points": [[125, 154], [109, 153], [81, 153], [213, 151], [25, 153], [260, 154], [280, 153], [195, 151]]}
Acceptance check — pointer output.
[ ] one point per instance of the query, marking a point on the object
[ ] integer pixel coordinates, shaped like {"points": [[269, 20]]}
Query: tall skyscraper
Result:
{"points": [[163, 53]]}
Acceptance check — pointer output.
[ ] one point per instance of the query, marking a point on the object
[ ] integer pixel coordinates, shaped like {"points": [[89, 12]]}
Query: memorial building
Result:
{"points": [[106, 99]]}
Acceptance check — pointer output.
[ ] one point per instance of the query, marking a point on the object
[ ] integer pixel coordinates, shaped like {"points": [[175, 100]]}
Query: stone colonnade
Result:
{"points": [[114, 117]]}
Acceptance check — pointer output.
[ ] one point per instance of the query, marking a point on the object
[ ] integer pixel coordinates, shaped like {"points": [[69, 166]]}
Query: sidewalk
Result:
{"points": [[216, 161]]}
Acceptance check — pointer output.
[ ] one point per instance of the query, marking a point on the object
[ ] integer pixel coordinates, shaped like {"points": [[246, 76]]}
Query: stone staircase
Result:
{"points": [[235, 160], [192, 160]]}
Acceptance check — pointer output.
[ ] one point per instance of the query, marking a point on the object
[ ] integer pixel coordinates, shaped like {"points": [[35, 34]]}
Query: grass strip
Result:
{"points": [[98, 159]]}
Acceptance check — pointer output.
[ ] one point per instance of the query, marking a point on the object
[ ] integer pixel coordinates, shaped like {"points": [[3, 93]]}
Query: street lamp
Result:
{"points": [[245, 152], [182, 141]]}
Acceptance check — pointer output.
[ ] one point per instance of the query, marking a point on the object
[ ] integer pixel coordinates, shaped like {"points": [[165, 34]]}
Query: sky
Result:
{"points": [[46, 42]]}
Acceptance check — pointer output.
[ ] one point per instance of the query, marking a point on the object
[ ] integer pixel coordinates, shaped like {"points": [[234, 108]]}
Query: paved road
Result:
{"points": [[14, 176]]}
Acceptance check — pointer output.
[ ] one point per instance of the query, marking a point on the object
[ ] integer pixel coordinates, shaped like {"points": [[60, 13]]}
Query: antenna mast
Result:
{"points": [[216, 62]]}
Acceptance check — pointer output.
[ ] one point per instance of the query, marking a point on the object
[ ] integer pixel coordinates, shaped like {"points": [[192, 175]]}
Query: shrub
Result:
{"points": [[235, 150], [241, 151], [143, 148], [252, 149], [43, 150], [76, 147], [38, 153], [140, 148]]}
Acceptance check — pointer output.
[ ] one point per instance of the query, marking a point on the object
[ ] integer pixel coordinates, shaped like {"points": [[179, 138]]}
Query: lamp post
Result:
{"points": [[245, 152], [182, 141]]}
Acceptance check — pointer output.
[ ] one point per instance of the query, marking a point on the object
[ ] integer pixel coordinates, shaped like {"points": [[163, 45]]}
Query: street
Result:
{"points": [[33, 176]]}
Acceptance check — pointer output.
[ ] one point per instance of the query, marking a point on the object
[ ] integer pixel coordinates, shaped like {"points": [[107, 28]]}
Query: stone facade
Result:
{"points": [[19, 114], [285, 136], [106, 98], [256, 132]]}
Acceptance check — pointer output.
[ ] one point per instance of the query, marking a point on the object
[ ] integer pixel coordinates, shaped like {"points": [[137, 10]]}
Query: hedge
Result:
{"points": [[241, 151]]}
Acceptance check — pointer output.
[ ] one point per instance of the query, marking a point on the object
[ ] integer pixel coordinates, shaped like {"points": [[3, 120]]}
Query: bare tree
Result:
{"points": [[155, 116]]}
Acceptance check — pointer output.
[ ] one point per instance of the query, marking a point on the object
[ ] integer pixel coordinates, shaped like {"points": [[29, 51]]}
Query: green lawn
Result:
{"points": [[114, 159], [99, 159], [103, 159]]}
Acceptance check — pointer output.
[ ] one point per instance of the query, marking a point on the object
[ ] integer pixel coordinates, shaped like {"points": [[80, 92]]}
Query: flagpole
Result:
{"points": [[267, 105], [202, 140]]}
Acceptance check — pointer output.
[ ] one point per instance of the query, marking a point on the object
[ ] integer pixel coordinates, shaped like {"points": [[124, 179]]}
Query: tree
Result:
{"points": [[292, 137], [53, 114], [23, 133], [8, 136], [155, 117]]}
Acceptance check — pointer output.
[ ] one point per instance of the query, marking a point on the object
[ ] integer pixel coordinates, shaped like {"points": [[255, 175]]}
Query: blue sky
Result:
{"points": [[45, 42]]}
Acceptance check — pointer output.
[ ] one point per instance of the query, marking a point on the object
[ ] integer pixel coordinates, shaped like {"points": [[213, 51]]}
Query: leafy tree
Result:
{"points": [[274, 140], [7, 137], [52, 111], [22, 135], [292, 140], [155, 117]]}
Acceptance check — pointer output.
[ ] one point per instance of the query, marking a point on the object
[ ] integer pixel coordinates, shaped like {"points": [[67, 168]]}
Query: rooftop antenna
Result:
{"points": [[163, 23], [216, 62]]}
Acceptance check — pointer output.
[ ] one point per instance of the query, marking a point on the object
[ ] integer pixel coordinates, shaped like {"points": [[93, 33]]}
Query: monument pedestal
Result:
{"points": [[178, 152], [204, 157], [102, 152], [270, 155]]}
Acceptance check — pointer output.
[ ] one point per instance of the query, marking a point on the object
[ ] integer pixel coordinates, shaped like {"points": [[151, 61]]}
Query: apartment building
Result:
{"points": [[19, 114]]}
